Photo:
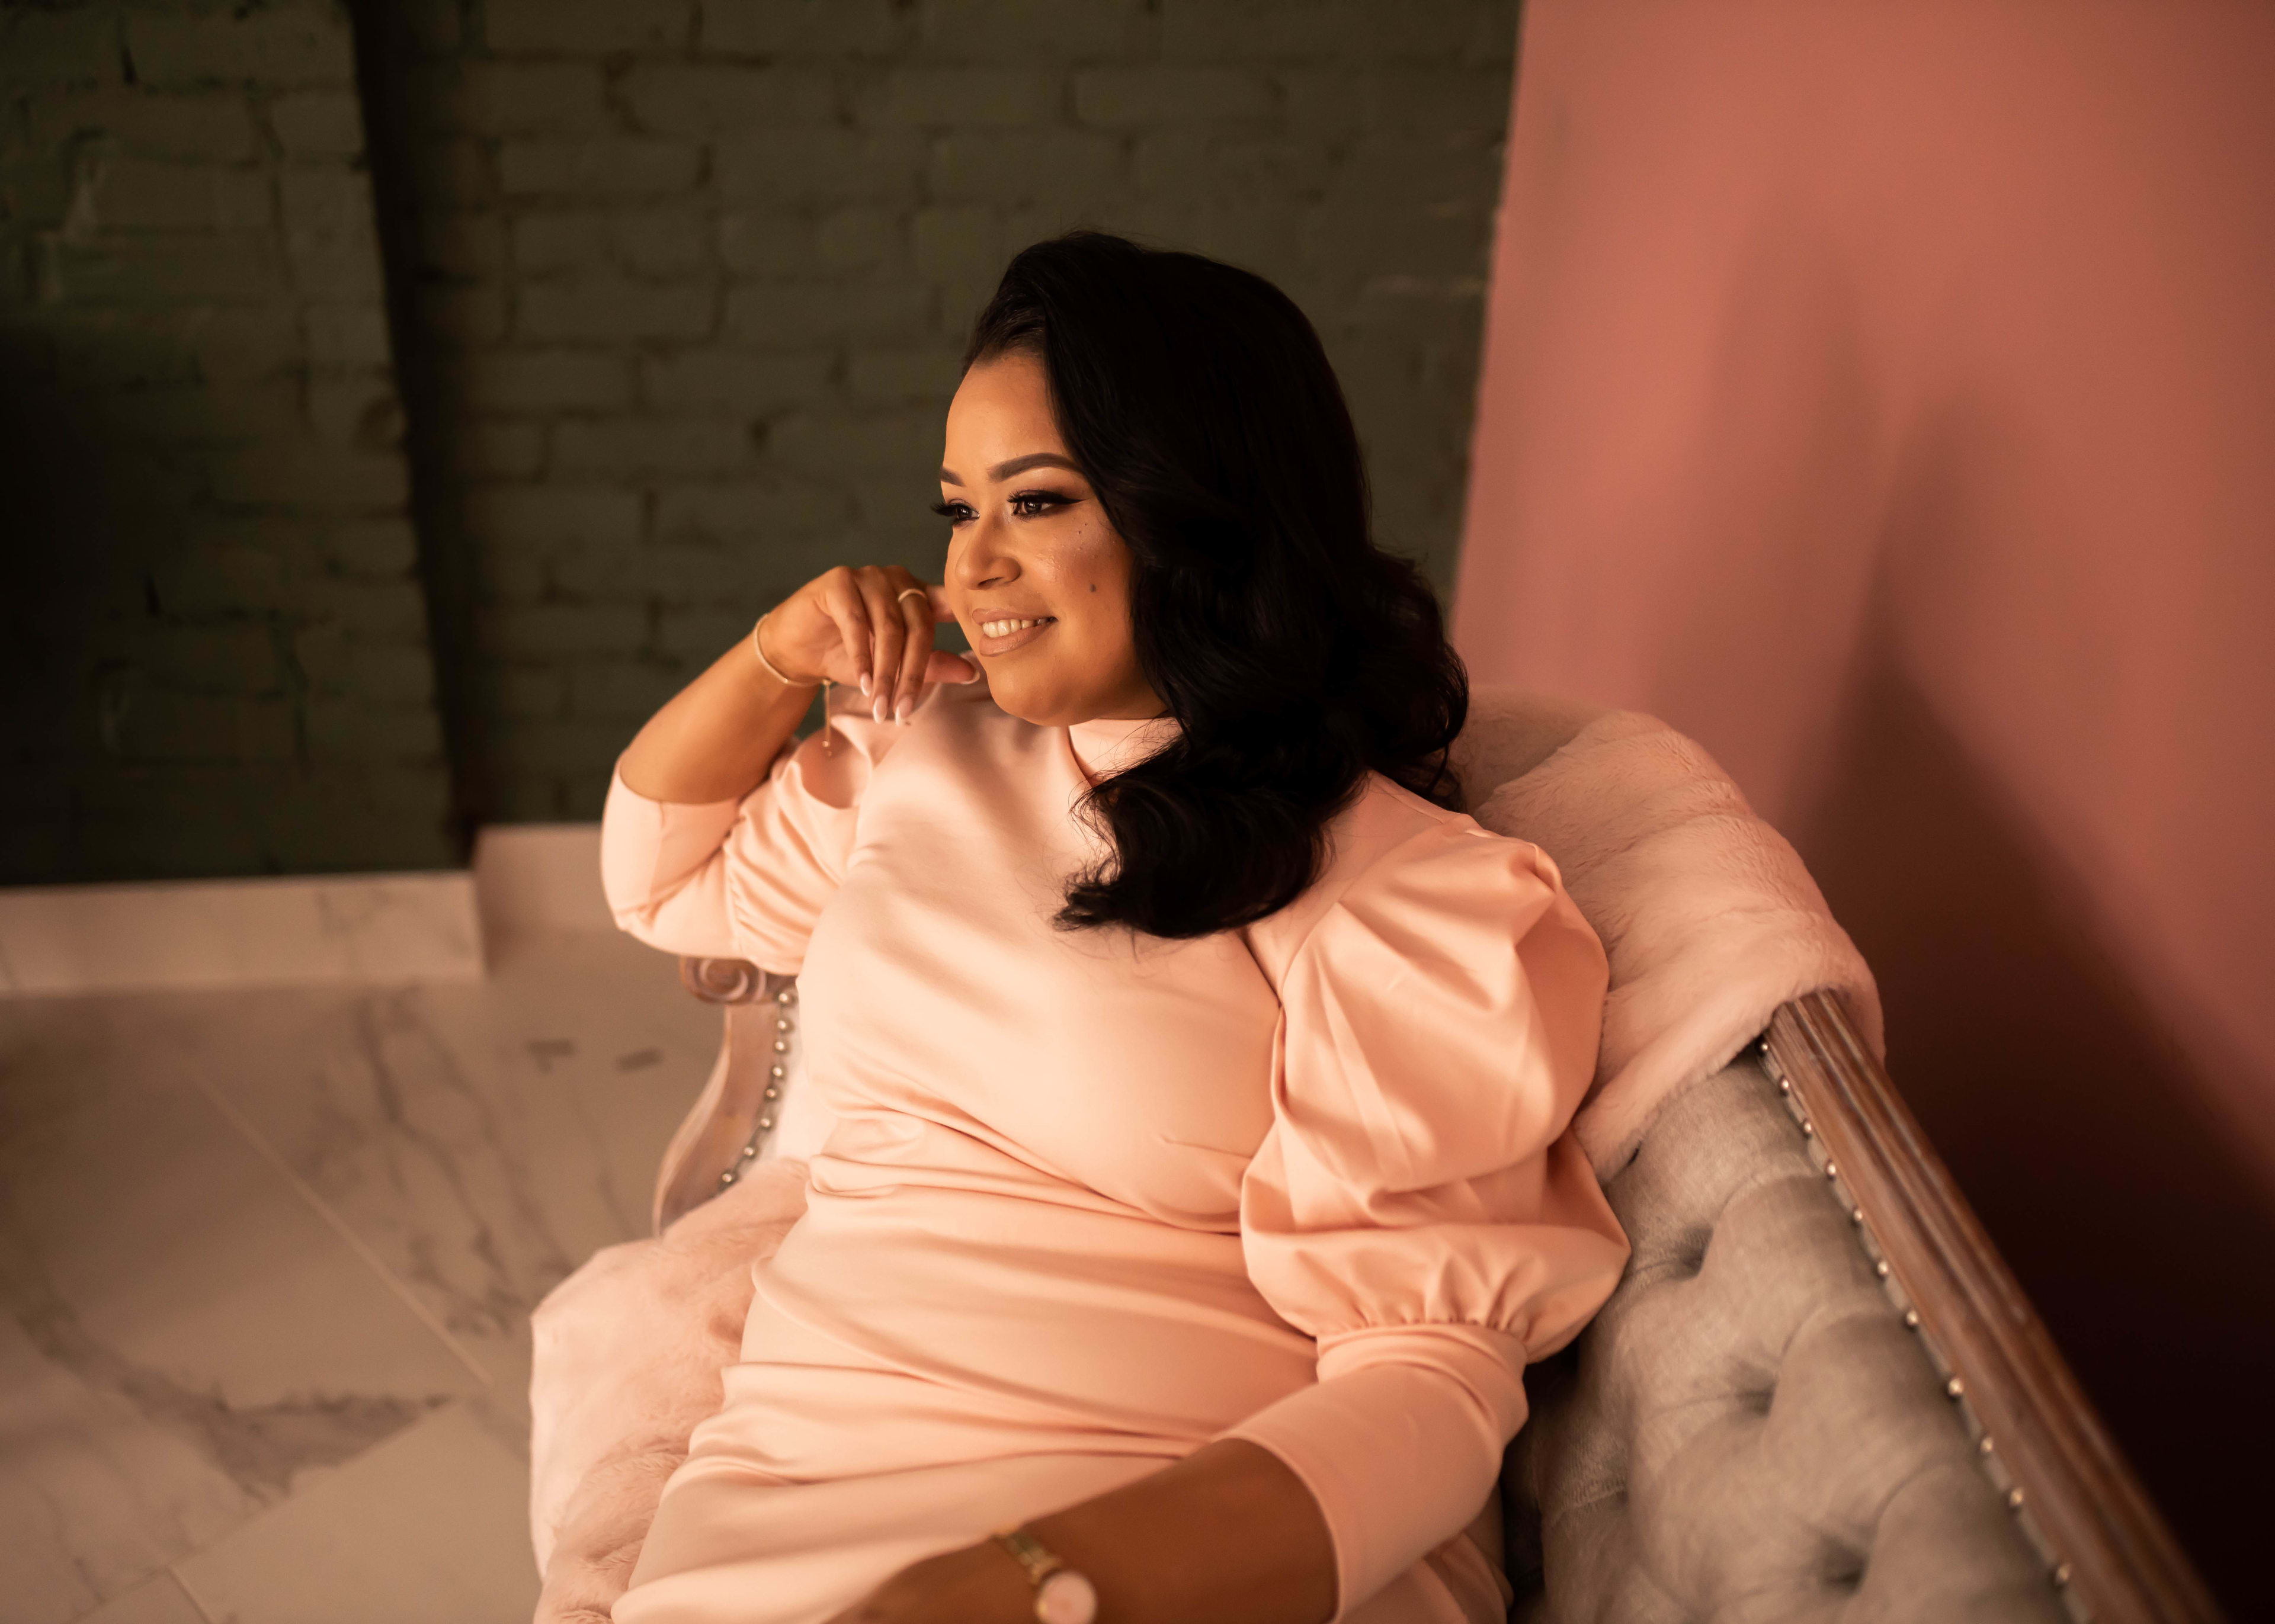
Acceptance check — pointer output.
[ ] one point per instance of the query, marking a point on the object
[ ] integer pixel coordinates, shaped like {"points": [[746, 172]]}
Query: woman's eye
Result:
{"points": [[1033, 504], [954, 512]]}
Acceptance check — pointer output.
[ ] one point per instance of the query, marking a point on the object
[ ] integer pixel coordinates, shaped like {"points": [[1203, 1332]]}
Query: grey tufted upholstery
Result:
{"points": [[1748, 1431]]}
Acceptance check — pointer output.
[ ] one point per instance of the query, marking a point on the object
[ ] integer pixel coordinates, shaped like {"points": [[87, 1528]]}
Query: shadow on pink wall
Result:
{"points": [[1886, 396]]}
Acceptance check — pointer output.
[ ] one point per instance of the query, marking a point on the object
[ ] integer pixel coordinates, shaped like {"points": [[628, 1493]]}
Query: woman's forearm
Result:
{"points": [[717, 737], [1227, 1536]]}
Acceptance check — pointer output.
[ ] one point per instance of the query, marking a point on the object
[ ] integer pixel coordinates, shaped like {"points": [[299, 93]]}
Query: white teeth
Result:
{"points": [[1005, 627]]}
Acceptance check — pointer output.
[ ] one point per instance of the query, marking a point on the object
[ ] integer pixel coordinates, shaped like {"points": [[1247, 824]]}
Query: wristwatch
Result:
{"points": [[1061, 1595]]}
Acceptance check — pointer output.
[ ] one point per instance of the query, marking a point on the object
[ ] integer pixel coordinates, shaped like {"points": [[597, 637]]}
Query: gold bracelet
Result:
{"points": [[758, 649]]}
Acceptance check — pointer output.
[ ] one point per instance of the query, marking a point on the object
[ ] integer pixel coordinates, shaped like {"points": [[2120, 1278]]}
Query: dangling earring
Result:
{"points": [[828, 734]]}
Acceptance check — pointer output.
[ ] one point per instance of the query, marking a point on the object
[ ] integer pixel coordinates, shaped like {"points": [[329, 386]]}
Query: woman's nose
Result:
{"points": [[981, 557]]}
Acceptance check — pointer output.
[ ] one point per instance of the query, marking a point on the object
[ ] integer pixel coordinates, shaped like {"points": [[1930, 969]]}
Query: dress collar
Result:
{"points": [[1106, 745]]}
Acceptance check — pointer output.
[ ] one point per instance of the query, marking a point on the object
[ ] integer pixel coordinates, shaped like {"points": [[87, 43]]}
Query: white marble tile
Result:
{"points": [[249, 1238], [96, 1495], [66, 939], [188, 1335], [481, 1141], [432, 1524], [161, 1601]]}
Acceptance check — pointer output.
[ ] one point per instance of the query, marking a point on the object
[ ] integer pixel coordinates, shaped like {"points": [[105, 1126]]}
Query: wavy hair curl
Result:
{"points": [[1296, 654]]}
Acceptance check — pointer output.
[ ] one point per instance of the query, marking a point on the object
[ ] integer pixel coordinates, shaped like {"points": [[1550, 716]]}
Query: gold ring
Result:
{"points": [[913, 591]]}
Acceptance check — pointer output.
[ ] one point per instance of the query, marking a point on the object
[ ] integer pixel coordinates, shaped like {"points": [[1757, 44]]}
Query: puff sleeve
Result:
{"points": [[743, 878], [1419, 1207]]}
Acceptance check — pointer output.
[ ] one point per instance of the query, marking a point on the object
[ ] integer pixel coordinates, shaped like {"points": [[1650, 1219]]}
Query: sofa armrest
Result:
{"points": [[726, 1127], [2059, 1472]]}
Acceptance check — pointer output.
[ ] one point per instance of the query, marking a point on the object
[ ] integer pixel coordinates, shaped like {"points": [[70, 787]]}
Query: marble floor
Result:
{"points": [[267, 1260]]}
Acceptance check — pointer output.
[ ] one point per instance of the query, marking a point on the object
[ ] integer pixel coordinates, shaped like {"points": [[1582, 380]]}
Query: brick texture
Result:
{"points": [[217, 653], [698, 272]]}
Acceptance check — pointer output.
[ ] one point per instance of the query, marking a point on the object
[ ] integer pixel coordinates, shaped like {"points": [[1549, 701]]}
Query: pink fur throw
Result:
{"points": [[1710, 920], [629, 1352], [1708, 916]]}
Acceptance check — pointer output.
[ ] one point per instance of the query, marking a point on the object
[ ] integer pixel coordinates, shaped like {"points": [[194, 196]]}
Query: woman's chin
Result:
{"points": [[1043, 716], [1044, 705]]}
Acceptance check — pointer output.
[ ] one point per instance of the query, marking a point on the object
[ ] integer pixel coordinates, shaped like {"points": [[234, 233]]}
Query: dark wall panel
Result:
{"points": [[213, 644]]}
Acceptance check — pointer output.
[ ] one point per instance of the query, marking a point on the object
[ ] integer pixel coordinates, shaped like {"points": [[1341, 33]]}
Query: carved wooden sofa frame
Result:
{"points": [[1896, 1428]]}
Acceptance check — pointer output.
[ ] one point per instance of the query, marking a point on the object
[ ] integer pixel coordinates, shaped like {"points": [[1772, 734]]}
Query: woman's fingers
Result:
{"points": [[888, 634], [872, 626], [842, 601], [916, 614]]}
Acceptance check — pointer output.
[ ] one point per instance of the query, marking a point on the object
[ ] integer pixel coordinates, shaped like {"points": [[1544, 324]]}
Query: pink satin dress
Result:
{"points": [[1093, 1199]]}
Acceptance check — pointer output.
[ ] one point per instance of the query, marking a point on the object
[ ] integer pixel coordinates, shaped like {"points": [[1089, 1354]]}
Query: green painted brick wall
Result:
{"points": [[687, 283], [214, 656], [676, 290]]}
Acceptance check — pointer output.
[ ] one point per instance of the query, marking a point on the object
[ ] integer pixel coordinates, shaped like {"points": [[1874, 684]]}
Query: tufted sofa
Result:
{"points": [[1750, 1430]]}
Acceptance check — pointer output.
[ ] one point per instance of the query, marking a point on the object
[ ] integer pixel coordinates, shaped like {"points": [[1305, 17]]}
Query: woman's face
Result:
{"points": [[1031, 543]]}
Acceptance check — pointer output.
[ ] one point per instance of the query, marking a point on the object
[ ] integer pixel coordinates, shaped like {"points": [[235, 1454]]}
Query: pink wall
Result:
{"points": [[1885, 395]]}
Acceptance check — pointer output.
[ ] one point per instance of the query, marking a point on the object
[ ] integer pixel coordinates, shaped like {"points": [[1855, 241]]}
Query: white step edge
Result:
{"points": [[300, 930]]}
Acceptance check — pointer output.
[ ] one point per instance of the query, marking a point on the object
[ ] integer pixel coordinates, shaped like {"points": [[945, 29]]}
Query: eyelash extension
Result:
{"points": [[958, 511]]}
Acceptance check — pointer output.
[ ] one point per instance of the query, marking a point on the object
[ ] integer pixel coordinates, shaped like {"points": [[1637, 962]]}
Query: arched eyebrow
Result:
{"points": [[1017, 465]]}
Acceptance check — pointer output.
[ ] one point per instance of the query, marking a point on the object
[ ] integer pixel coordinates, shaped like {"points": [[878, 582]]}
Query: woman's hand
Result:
{"points": [[870, 627], [1229, 1535], [979, 1584]]}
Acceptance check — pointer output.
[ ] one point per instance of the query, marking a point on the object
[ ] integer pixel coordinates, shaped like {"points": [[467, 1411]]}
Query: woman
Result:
{"points": [[1201, 1184]]}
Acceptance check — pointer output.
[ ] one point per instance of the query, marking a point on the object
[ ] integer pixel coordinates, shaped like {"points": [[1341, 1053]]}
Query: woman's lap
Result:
{"points": [[731, 1545]]}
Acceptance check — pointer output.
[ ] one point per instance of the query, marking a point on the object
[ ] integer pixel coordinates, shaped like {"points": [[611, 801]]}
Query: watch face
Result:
{"points": [[1066, 1597]]}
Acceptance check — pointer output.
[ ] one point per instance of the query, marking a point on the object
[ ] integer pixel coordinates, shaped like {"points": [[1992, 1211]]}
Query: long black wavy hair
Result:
{"points": [[1295, 653]]}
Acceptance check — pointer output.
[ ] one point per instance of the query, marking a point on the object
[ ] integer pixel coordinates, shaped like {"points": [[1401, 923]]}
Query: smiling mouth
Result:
{"points": [[1012, 628]]}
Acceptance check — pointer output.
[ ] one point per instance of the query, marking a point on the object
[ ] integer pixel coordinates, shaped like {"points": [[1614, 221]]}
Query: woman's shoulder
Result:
{"points": [[1389, 837]]}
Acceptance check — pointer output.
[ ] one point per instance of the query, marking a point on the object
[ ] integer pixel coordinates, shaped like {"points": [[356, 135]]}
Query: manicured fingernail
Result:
{"points": [[864, 685], [901, 713], [878, 709]]}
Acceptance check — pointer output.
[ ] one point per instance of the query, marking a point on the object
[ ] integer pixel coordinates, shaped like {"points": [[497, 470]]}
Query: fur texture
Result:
{"points": [[1708, 916], [629, 1352]]}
